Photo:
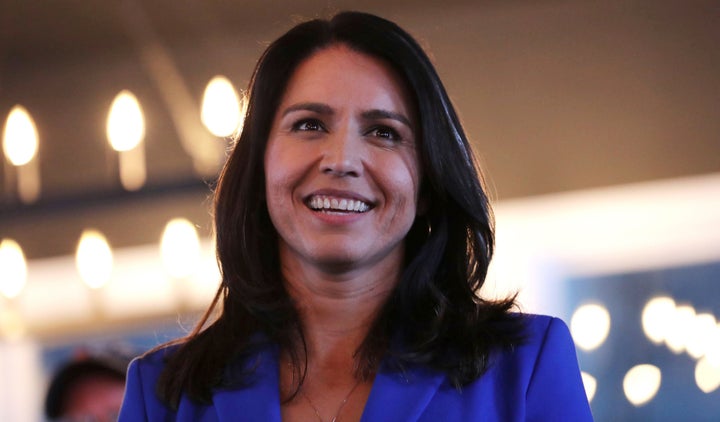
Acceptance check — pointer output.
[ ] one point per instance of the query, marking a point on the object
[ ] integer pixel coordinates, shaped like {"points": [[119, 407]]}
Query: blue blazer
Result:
{"points": [[537, 381]]}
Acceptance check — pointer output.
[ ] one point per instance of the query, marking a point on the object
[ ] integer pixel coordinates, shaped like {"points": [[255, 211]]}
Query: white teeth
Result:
{"points": [[335, 204]]}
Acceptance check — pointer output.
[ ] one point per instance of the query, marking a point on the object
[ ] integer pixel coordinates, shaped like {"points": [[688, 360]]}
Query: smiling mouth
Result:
{"points": [[333, 204]]}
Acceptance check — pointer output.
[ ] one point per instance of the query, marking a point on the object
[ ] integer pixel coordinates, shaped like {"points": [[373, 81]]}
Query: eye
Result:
{"points": [[385, 133], [307, 125]]}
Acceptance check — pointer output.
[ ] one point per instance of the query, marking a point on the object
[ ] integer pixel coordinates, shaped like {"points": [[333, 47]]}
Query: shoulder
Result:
{"points": [[544, 371], [149, 366], [534, 335], [141, 401], [157, 357], [540, 337], [542, 332], [536, 379], [546, 340]]}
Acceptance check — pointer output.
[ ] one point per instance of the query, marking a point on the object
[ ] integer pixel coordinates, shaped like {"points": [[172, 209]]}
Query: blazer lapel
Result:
{"points": [[258, 402], [401, 396], [395, 395]]}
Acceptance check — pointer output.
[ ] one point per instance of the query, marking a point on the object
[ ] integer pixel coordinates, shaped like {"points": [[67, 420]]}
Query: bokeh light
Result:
{"points": [[12, 326], [20, 137], [125, 124], [590, 326], [221, 110], [707, 375], [94, 259], [656, 318], [712, 352], [679, 328], [13, 268], [641, 384], [590, 384], [180, 248], [700, 334]]}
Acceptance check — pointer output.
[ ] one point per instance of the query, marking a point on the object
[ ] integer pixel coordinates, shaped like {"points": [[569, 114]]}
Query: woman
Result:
{"points": [[353, 234]]}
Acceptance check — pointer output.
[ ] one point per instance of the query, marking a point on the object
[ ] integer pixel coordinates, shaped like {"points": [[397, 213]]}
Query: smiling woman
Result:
{"points": [[354, 237]]}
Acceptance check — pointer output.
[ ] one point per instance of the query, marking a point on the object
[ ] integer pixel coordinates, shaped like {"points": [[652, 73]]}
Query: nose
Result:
{"points": [[342, 155]]}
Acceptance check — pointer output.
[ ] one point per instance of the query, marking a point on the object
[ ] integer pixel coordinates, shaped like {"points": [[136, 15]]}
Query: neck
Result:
{"points": [[337, 309]]}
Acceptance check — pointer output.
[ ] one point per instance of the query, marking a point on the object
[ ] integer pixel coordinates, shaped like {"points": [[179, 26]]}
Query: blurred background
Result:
{"points": [[596, 122]]}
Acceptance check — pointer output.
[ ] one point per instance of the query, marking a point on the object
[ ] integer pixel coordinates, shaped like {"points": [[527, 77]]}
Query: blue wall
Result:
{"points": [[625, 295]]}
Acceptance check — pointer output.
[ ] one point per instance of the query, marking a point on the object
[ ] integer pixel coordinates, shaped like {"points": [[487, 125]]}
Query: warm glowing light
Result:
{"points": [[221, 110], [707, 375], [20, 137], [700, 334], [125, 132], [12, 326], [125, 124], [712, 353], [133, 172], [678, 330], [180, 248], [590, 326], [94, 259], [656, 318], [590, 384], [641, 384], [13, 268]]}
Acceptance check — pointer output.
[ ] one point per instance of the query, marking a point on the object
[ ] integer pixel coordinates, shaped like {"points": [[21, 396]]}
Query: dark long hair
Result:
{"points": [[434, 316]]}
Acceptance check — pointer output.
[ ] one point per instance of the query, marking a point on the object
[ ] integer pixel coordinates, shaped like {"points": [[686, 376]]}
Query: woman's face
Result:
{"points": [[341, 165]]}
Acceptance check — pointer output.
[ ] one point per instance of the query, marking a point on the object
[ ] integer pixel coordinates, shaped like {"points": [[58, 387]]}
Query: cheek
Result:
{"points": [[277, 191], [274, 176], [283, 172], [403, 181], [276, 168]]}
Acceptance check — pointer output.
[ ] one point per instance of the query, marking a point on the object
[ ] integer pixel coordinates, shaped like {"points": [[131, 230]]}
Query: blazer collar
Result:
{"points": [[395, 395], [401, 396]]}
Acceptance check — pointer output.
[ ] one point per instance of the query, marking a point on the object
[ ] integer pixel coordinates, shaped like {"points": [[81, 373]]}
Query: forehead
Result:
{"points": [[340, 76]]}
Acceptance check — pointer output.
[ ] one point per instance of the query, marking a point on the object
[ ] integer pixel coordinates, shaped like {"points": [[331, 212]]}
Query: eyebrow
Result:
{"points": [[319, 108], [385, 114], [325, 109]]}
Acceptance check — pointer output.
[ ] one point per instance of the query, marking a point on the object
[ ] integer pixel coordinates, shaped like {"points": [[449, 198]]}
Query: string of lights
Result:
{"points": [[221, 113]]}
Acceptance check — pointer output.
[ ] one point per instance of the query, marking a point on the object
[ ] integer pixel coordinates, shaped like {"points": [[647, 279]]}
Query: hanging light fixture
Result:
{"points": [[13, 268], [125, 133], [180, 248], [20, 146], [221, 110], [94, 259]]}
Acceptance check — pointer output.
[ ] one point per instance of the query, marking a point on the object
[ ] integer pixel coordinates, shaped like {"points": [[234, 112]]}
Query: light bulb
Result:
{"points": [[20, 137], [180, 248], [590, 326], [13, 268], [94, 259], [221, 111], [125, 124]]}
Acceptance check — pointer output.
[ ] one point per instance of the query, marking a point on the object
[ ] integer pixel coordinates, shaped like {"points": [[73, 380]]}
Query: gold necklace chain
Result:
{"points": [[342, 403]]}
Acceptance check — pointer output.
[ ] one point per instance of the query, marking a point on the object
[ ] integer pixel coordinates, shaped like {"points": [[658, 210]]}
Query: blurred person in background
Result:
{"points": [[354, 237], [88, 387]]}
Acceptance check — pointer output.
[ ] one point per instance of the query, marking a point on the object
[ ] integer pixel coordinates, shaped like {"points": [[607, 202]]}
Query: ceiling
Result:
{"points": [[555, 95]]}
